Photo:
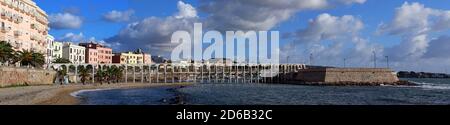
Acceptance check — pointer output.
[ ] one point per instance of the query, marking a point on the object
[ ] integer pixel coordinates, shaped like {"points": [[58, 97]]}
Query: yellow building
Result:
{"points": [[138, 57], [128, 58], [24, 25]]}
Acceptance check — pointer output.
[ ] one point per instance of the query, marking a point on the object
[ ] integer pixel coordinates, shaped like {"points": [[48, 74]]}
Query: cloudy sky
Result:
{"points": [[414, 34]]}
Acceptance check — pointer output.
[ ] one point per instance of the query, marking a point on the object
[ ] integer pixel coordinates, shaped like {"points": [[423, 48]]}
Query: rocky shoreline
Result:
{"points": [[398, 83]]}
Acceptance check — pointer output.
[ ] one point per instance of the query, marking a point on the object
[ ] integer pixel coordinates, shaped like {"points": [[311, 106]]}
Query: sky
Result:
{"points": [[412, 35]]}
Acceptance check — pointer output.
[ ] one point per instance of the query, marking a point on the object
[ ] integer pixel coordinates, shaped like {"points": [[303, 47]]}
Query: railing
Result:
{"points": [[197, 73]]}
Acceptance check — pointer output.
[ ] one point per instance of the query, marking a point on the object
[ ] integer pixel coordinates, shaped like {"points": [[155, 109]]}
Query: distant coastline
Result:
{"points": [[412, 74]]}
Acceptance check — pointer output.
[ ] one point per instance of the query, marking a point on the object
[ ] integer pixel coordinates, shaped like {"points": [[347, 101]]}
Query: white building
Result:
{"points": [[49, 45], [74, 53], [57, 51]]}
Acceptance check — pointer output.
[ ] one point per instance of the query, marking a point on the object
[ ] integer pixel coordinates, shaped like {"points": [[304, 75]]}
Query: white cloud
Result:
{"points": [[72, 37], [65, 21], [331, 39], [414, 23], [327, 27], [153, 33], [118, 16], [186, 11], [260, 14]]}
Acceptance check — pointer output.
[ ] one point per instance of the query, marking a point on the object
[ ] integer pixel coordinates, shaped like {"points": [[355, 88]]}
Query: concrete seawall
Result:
{"points": [[344, 76], [12, 76]]}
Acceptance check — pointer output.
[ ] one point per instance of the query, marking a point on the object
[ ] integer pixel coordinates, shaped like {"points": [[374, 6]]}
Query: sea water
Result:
{"points": [[429, 92]]}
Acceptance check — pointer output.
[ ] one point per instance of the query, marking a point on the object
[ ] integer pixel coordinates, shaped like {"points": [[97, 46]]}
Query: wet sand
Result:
{"points": [[60, 95]]}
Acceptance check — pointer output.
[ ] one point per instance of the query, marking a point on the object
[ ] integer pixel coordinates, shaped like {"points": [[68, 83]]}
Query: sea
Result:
{"points": [[429, 92]]}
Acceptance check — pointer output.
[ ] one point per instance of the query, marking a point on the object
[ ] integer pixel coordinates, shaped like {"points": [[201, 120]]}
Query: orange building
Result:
{"points": [[97, 54]]}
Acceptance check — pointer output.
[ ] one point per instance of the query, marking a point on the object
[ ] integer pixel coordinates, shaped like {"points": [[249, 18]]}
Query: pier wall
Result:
{"points": [[12, 76], [347, 75]]}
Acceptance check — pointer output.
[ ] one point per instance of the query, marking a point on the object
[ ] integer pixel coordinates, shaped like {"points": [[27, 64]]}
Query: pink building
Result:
{"points": [[147, 58], [97, 54]]}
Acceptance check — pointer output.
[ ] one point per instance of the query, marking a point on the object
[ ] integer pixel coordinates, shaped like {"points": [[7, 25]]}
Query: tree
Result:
{"points": [[84, 74], [100, 75], [61, 60], [110, 74], [117, 73], [32, 58], [6, 52], [62, 73]]}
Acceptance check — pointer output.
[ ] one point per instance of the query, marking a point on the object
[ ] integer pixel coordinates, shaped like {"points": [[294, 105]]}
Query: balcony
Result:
{"points": [[18, 33], [33, 26], [33, 37], [17, 45], [5, 29], [3, 14], [18, 19]]}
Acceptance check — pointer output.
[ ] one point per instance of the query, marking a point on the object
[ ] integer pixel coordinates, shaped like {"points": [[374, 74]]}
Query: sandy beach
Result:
{"points": [[60, 94]]}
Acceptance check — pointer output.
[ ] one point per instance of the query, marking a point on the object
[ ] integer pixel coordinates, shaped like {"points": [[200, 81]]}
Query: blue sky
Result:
{"points": [[371, 13]]}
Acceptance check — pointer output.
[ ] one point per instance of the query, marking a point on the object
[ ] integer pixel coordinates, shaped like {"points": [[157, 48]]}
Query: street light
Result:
{"points": [[345, 59], [387, 61], [374, 59], [287, 59]]}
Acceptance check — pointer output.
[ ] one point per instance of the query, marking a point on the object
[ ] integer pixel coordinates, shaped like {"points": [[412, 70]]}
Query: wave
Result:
{"points": [[426, 85], [76, 93]]}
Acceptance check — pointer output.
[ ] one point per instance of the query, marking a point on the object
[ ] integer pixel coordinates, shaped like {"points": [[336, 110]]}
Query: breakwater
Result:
{"points": [[347, 76]]}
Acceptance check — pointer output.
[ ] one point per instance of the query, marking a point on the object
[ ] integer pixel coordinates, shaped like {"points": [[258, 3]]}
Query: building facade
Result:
{"points": [[49, 46], [147, 58], [24, 25], [127, 58], [75, 53], [57, 50], [97, 53], [137, 57]]}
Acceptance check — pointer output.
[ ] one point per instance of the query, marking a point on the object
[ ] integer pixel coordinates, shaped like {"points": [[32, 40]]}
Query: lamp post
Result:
{"points": [[374, 59], [287, 59], [345, 59], [387, 61]]}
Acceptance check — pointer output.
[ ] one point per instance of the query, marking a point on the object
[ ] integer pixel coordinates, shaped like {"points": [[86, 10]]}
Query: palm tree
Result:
{"points": [[26, 57], [84, 74], [118, 74], [100, 75], [61, 60], [62, 73], [110, 74], [6, 51]]}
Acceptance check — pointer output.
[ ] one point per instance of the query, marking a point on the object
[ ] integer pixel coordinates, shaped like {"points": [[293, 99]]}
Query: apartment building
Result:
{"points": [[24, 25], [137, 57], [97, 53], [49, 46], [75, 53], [57, 51], [127, 58]]}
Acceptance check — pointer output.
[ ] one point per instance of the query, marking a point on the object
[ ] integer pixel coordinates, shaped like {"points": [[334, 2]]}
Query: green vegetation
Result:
{"points": [[25, 57], [84, 74], [101, 76], [6, 52], [61, 60]]}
